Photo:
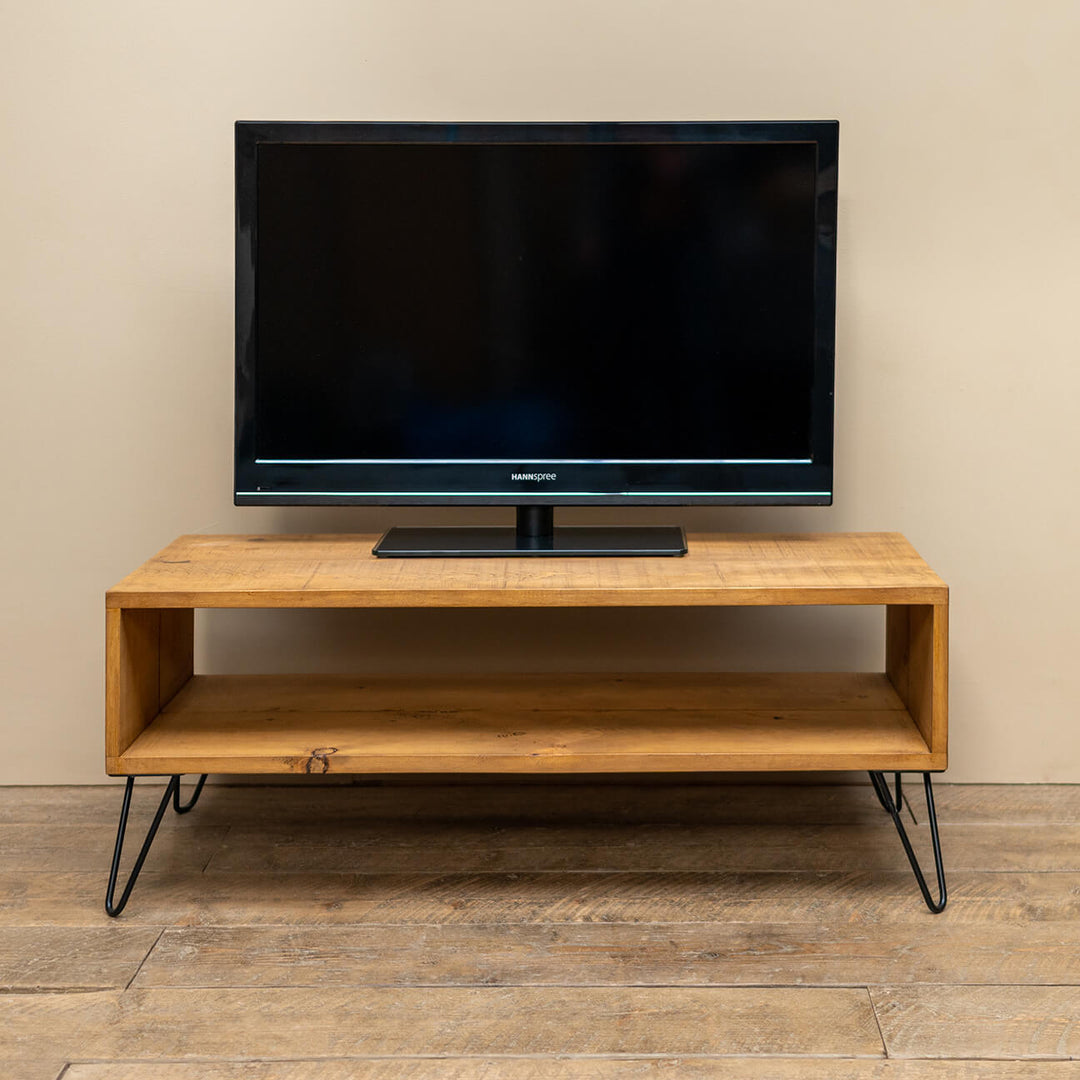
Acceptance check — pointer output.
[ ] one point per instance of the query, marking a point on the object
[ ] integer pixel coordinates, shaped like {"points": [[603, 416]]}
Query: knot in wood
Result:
{"points": [[319, 761]]}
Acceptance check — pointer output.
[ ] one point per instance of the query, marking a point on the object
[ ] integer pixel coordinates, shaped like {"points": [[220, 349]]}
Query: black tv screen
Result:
{"points": [[535, 313]]}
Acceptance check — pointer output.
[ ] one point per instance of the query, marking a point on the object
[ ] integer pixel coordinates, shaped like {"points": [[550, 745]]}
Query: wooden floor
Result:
{"points": [[543, 930]]}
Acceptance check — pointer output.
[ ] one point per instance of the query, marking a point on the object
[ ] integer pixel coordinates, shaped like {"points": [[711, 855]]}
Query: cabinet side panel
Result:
{"points": [[917, 663], [940, 691], [898, 648], [131, 675], [176, 660]]}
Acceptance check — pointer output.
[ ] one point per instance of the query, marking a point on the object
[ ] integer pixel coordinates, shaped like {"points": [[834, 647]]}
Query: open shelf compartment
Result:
{"points": [[671, 722]]}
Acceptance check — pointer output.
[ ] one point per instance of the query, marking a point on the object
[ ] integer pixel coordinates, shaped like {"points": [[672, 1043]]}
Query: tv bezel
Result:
{"points": [[750, 484]]}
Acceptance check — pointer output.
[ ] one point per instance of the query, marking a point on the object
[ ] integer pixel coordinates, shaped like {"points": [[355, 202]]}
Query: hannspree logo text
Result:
{"points": [[532, 476]]}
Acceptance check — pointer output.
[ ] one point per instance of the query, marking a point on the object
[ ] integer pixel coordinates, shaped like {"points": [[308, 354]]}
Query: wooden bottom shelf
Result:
{"points": [[529, 724]]}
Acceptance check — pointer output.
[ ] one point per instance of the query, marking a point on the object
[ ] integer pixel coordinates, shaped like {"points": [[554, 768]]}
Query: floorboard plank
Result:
{"points": [[596, 931], [72, 958], [554, 800], [34, 848], [99, 804], [36, 1070], [1013, 804], [393, 847], [863, 898], [700, 954], [584, 1069], [980, 1021], [476, 1022]]}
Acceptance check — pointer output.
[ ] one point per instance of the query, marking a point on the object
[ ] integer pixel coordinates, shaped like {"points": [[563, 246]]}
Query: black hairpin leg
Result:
{"points": [[113, 907], [881, 789], [899, 799], [190, 804]]}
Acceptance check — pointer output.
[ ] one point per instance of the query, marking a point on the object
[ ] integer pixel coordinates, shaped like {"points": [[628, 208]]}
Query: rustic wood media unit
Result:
{"points": [[162, 719]]}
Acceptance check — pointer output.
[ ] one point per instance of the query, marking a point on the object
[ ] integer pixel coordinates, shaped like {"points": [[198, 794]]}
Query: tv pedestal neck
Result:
{"points": [[535, 534], [163, 719]]}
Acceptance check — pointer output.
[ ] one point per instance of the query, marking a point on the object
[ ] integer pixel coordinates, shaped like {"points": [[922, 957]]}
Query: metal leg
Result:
{"points": [[881, 788], [899, 799], [190, 804], [113, 907]]}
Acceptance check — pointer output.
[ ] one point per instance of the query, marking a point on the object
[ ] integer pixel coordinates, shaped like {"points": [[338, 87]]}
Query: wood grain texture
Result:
{"points": [[72, 958], [100, 805], [31, 1070], [917, 663], [928, 702], [176, 658], [981, 1021], [545, 692], [36, 848], [898, 648], [856, 899], [565, 1068], [754, 942], [359, 847], [720, 569], [517, 1021], [1016, 804], [148, 658], [656, 954], [716, 801], [131, 676], [536, 723]]}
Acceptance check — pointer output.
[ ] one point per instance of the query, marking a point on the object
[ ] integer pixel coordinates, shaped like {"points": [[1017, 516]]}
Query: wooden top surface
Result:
{"points": [[721, 569]]}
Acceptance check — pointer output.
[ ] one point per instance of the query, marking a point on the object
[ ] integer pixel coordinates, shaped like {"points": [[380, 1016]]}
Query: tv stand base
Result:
{"points": [[162, 719], [534, 534], [464, 541]]}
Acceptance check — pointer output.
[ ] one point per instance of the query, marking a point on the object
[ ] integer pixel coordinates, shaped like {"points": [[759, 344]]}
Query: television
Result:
{"points": [[535, 315]]}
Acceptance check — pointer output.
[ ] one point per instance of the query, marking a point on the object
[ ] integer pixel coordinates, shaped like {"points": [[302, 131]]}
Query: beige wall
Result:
{"points": [[957, 368]]}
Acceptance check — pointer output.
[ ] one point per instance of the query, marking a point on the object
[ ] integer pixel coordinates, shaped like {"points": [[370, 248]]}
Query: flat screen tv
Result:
{"points": [[535, 316]]}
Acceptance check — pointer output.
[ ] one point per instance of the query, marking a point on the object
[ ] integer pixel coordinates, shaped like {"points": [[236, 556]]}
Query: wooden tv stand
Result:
{"points": [[162, 719]]}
